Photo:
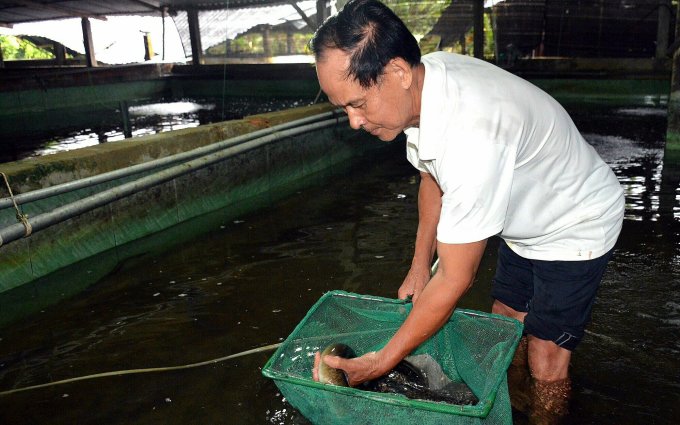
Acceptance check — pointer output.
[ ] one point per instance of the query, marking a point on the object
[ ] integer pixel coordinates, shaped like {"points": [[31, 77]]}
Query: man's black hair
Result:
{"points": [[371, 34]]}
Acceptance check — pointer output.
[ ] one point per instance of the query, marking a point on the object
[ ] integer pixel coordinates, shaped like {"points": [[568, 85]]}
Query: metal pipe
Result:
{"points": [[157, 163], [64, 212]]}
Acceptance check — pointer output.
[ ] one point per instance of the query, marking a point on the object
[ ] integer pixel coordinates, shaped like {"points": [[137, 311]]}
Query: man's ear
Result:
{"points": [[403, 71]]}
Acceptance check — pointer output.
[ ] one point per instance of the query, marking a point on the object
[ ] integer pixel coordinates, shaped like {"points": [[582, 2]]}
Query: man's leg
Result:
{"points": [[547, 361], [538, 375], [519, 379], [554, 300], [551, 385], [512, 291]]}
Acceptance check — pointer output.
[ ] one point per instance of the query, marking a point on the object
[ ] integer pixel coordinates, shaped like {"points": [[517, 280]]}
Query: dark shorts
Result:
{"points": [[558, 296]]}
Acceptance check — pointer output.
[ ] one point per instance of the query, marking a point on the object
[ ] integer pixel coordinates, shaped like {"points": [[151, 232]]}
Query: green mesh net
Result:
{"points": [[472, 347]]}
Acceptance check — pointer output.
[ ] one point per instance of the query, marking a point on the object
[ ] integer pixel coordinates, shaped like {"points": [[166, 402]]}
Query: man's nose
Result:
{"points": [[356, 120]]}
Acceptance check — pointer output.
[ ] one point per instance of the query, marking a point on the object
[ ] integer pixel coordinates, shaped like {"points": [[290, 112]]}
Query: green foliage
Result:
{"points": [[419, 16], [252, 43], [16, 48]]}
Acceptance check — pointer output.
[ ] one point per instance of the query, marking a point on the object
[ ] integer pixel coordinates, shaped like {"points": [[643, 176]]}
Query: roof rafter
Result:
{"points": [[302, 14], [147, 5], [73, 12]]}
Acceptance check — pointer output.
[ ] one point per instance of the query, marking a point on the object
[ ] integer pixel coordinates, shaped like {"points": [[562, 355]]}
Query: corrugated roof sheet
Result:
{"points": [[18, 11]]}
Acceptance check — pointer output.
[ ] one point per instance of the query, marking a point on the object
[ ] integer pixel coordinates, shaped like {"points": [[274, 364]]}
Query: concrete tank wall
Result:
{"points": [[239, 182]]}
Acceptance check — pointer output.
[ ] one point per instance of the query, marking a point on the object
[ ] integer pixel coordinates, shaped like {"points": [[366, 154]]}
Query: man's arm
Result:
{"points": [[429, 207], [458, 265]]}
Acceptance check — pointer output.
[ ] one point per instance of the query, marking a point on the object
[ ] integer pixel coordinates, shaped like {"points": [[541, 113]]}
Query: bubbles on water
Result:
{"points": [[643, 112], [639, 171], [615, 149], [169, 108], [672, 305], [279, 416]]}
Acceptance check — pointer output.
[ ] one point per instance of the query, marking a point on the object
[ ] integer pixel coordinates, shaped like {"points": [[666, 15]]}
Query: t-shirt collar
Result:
{"points": [[435, 111]]}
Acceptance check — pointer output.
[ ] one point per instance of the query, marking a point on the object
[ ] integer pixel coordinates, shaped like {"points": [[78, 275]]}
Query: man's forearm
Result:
{"points": [[433, 309], [457, 270], [429, 208]]}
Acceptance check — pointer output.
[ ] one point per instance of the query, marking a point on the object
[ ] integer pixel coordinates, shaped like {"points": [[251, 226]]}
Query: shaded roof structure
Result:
{"points": [[19, 11], [218, 20], [552, 28], [221, 24]]}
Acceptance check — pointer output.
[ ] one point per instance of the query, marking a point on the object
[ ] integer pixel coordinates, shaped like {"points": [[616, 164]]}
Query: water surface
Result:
{"points": [[146, 116]]}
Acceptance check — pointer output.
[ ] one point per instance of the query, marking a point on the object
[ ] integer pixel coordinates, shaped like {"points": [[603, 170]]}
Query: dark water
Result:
{"points": [[248, 282], [146, 117]]}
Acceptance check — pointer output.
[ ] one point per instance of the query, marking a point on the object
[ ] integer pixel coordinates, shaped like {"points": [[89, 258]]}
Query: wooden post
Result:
{"points": [[125, 118], [148, 48], [290, 42], [87, 41], [663, 28], [478, 25], [321, 12], [59, 53], [164, 11], [195, 34], [266, 41]]}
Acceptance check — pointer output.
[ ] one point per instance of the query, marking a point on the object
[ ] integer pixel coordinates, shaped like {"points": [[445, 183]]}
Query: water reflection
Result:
{"points": [[146, 118]]}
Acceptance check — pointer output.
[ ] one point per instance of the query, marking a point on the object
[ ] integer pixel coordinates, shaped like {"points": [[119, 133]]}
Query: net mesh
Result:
{"points": [[472, 347]]}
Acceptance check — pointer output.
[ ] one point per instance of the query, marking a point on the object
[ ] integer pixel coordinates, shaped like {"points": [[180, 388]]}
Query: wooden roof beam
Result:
{"points": [[305, 18], [69, 11], [148, 5]]}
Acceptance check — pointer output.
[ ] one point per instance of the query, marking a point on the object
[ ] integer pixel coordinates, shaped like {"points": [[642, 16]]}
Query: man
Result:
{"points": [[497, 156]]}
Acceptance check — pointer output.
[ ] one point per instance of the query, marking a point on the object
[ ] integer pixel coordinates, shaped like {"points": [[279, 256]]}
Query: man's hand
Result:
{"points": [[358, 369], [413, 284]]}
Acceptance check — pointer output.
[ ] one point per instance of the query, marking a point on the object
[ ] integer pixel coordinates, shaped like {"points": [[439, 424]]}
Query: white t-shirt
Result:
{"points": [[511, 162]]}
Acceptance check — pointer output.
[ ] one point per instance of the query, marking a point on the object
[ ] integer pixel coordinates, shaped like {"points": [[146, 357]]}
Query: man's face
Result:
{"points": [[383, 110]]}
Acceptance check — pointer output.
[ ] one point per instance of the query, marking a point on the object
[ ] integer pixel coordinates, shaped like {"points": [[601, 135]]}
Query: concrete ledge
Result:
{"points": [[36, 173], [242, 181], [588, 68]]}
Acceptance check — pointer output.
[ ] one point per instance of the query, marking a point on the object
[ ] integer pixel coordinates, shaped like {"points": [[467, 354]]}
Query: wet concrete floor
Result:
{"points": [[247, 282]]}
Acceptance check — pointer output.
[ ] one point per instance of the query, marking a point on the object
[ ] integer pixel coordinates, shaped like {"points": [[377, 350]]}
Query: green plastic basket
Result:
{"points": [[472, 347]]}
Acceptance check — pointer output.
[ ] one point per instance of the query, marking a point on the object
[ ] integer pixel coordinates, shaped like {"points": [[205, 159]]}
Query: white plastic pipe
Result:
{"points": [[161, 162], [64, 212]]}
